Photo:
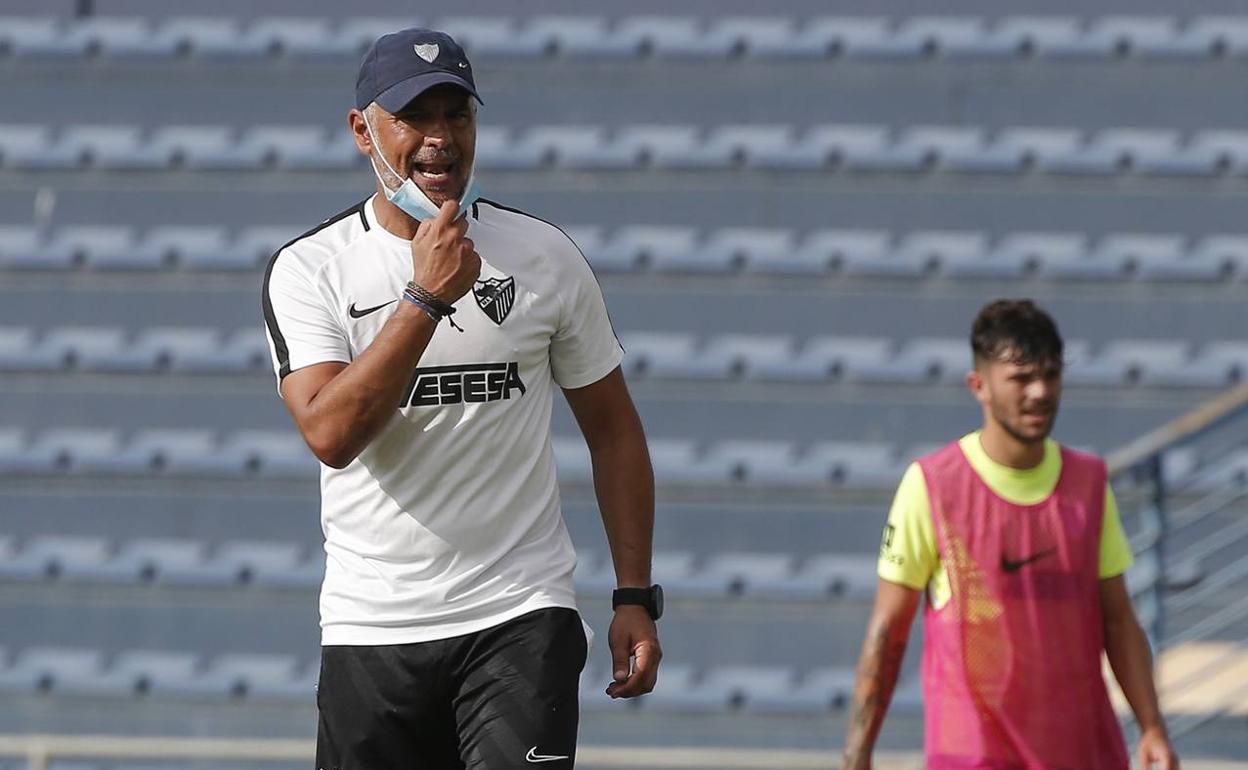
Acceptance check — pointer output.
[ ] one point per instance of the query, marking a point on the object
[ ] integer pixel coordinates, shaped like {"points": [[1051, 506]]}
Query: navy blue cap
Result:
{"points": [[404, 64]]}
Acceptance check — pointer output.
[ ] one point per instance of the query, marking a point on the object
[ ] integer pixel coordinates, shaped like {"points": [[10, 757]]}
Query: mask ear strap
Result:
{"points": [[381, 154]]}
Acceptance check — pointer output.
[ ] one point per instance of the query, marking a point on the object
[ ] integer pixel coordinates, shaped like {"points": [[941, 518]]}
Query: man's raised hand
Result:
{"points": [[444, 259]]}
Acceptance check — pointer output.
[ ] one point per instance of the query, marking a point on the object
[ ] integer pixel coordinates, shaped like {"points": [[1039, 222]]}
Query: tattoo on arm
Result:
{"points": [[882, 653]]}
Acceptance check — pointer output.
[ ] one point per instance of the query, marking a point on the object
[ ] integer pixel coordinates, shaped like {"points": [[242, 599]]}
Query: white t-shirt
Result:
{"points": [[449, 521]]}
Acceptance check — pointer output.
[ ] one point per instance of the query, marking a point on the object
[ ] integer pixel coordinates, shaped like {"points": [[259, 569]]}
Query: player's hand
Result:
{"points": [[444, 259], [1154, 751], [635, 652]]}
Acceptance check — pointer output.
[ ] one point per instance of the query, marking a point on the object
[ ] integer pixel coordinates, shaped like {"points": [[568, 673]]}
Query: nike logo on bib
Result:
{"points": [[533, 756], [351, 311], [1014, 565]]}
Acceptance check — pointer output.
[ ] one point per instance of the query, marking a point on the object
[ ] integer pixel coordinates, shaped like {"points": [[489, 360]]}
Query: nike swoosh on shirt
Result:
{"points": [[351, 311], [533, 756], [1014, 565]]}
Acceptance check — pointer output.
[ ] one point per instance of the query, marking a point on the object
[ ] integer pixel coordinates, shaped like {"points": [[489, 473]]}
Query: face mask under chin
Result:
{"points": [[408, 196]]}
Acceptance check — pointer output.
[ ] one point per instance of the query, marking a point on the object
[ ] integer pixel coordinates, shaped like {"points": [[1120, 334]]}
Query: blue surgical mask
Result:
{"points": [[409, 197]]}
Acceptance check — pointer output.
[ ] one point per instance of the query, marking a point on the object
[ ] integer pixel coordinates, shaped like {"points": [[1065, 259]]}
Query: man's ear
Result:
{"points": [[976, 383], [359, 131]]}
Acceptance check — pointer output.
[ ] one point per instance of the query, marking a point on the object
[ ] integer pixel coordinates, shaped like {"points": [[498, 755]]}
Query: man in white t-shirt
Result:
{"points": [[449, 626]]}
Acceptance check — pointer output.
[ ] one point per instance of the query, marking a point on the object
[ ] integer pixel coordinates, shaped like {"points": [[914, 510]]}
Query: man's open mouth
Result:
{"points": [[435, 172]]}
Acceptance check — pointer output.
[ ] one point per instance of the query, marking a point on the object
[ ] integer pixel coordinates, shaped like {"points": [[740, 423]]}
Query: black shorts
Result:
{"points": [[501, 698]]}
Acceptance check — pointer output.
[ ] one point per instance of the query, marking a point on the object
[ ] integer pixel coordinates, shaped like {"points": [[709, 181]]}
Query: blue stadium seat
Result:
{"points": [[125, 37], [154, 671], [749, 35], [671, 36], [1215, 365], [677, 461], [685, 577], [61, 556], [263, 240], [572, 460], [670, 146], [19, 352], [646, 245], [1123, 362], [717, 691], [1088, 263], [100, 247], [209, 148], [1164, 258], [913, 364], [868, 38], [753, 249], [101, 350], [496, 151], [822, 359], [950, 36], [861, 464], [852, 252], [966, 37], [19, 456], [39, 669], [781, 38], [246, 673], [497, 37], [360, 32], [71, 446], [820, 578], [300, 148], [270, 564], [743, 571], [18, 565], [762, 146], [1055, 37], [219, 38], [974, 259], [1005, 153], [780, 464], [1228, 250], [745, 457], [933, 250], [18, 243], [178, 562], [582, 148], [31, 148], [724, 357], [584, 37], [656, 354], [945, 146], [271, 454], [184, 452], [298, 687], [302, 38], [1147, 37], [1227, 35], [241, 352], [1208, 152], [820, 691], [116, 148], [678, 691], [41, 37], [1115, 150], [868, 148], [1033, 146]]}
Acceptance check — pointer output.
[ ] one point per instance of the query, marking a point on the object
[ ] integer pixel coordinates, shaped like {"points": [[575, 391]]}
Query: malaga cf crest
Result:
{"points": [[495, 296]]}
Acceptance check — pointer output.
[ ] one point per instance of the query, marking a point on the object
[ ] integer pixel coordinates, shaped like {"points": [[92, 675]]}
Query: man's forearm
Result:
{"points": [[882, 653], [1126, 646], [351, 409], [624, 485]]}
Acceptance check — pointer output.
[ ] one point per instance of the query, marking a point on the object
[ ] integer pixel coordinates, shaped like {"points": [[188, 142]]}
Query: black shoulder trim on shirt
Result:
{"points": [[500, 206], [266, 303]]}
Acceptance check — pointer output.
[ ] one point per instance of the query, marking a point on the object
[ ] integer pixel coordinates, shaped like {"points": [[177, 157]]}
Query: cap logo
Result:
{"points": [[426, 51]]}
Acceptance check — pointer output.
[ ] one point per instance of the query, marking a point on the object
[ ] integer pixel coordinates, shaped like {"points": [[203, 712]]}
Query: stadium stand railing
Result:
{"points": [[1187, 582]]}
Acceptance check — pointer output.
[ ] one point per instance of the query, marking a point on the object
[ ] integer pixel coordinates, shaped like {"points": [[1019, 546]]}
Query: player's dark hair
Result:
{"points": [[1017, 331]]}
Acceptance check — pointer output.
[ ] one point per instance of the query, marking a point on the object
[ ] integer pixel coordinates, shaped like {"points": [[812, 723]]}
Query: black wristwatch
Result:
{"points": [[651, 598]]}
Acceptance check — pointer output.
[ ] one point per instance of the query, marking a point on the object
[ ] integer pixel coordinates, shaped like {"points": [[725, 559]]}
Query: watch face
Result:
{"points": [[656, 600]]}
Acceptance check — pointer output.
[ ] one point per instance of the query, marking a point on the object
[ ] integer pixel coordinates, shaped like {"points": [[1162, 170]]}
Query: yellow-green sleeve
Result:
{"points": [[1115, 555], [908, 554]]}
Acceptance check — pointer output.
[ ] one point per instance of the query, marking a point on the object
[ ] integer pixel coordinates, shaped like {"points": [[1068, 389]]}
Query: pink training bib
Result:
{"points": [[1012, 663]]}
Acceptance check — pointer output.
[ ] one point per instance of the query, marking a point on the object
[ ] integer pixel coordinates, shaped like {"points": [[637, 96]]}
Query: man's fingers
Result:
{"points": [[645, 672], [446, 214]]}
